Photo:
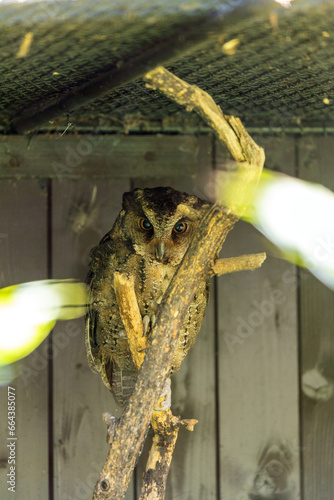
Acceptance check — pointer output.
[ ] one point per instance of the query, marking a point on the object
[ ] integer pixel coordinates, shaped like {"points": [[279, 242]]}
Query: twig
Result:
{"points": [[241, 263]]}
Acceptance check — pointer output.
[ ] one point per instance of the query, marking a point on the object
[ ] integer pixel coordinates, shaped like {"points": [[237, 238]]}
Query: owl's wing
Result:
{"points": [[121, 380], [107, 350], [98, 263], [117, 370]]}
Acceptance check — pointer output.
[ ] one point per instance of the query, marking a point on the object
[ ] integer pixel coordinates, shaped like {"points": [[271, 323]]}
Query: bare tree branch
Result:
{"points": [[130, 431], [241, 263], [228, 129], [131, 318], [163, 422], [126, 435], [166, 430]]}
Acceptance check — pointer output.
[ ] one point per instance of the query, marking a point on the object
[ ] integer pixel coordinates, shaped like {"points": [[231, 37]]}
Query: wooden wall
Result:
{"points": [[263, 330]]}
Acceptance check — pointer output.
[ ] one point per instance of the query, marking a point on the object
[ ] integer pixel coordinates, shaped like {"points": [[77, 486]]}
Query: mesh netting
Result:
{"points": [[279, 73]]}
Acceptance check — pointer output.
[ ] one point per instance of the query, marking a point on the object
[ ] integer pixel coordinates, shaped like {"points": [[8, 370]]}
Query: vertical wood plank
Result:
{"points": [[80, 397], [193, 470], [258, 364], [23, 257], [317, 341]]}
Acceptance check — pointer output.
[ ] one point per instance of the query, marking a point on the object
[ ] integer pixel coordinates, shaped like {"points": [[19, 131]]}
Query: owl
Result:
{"points": [[148, 241]]}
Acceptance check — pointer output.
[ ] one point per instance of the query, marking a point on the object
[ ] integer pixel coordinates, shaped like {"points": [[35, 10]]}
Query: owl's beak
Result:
{"points": [[160, 251]]}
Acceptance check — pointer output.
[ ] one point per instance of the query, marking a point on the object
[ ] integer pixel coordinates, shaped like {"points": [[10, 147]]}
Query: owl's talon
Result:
{"points": [[142, 350], [122, 334], [153, 320], [146, 324]]}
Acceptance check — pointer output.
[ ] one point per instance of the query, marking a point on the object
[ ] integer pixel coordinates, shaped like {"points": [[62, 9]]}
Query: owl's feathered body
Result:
{"points": [[148, 240]]}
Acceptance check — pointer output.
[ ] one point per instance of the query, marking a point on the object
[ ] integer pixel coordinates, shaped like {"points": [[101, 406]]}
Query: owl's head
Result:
{"points": [[159, 226]]}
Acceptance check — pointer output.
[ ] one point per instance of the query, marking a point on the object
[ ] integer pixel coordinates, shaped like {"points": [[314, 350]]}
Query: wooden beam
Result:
{"points": [[116, 156]]}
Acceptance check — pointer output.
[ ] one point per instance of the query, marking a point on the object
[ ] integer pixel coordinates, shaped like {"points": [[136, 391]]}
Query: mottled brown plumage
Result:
{"points": [[148, 240]]}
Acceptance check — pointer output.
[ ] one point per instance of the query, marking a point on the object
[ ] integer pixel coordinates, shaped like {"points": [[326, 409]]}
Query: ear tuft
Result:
{"points": [[129, 198]]}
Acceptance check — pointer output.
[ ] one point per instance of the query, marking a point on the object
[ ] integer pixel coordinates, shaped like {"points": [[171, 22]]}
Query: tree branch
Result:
{"points": [[229, 130], [163, 422], [241, 263], [126, 435], [166, 430], [131, 318]]}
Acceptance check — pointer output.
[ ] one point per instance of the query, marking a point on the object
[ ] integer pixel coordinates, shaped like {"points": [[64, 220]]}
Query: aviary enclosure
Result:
{"points": [[79, 127]]}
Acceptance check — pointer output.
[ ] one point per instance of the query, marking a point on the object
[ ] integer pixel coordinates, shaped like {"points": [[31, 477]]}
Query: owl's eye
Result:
{"points": [[180, 227], [145, 225]]}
